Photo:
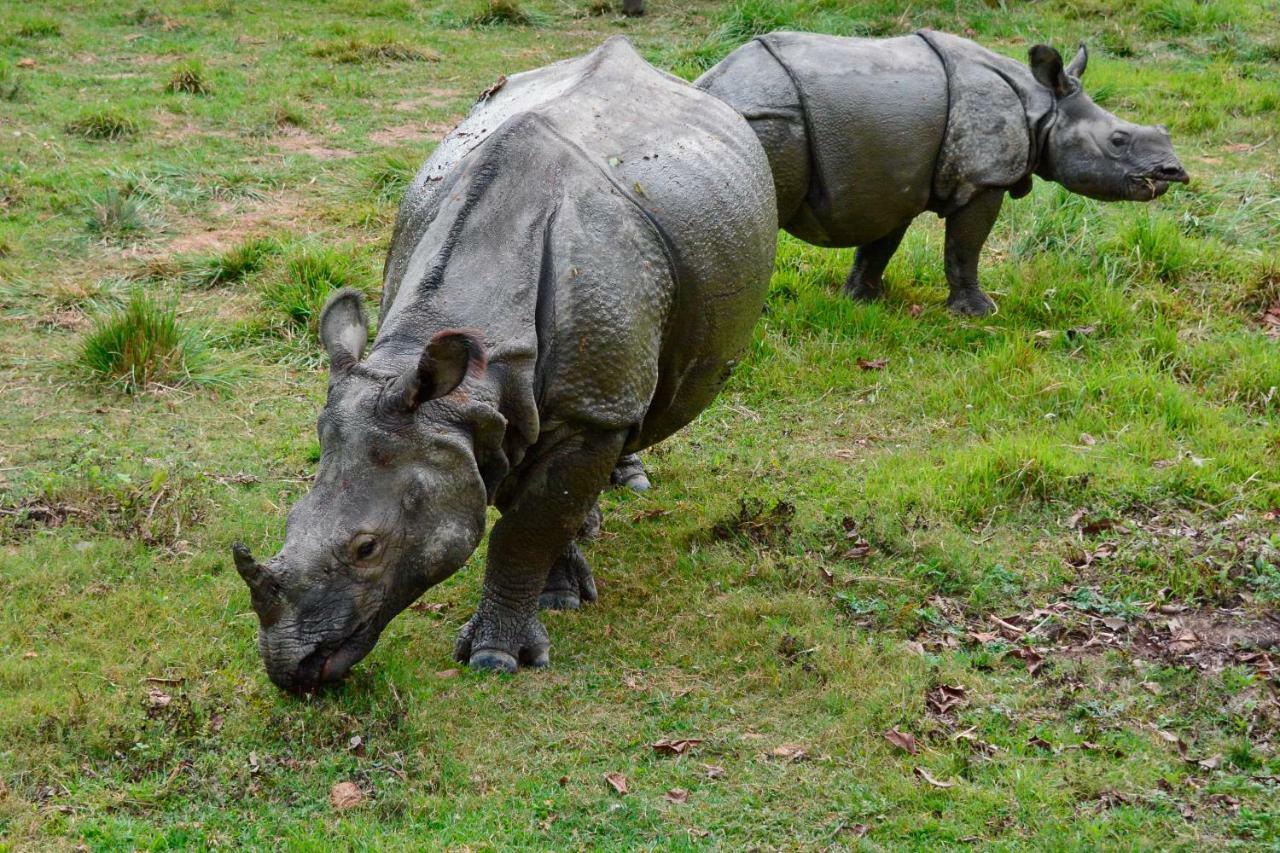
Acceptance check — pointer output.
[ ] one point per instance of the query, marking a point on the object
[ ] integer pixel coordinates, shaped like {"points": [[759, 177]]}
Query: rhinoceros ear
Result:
{"points": [[444, 363], [1078, 63], [344, 329], [1046, 67]]}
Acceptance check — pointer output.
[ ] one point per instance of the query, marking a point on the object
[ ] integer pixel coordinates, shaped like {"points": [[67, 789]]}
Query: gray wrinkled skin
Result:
{"points": [[573, 274], [863, 135]]}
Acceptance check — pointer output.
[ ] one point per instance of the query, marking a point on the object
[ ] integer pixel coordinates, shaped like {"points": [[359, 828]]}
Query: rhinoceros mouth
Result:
{"points": [[330, 662]]}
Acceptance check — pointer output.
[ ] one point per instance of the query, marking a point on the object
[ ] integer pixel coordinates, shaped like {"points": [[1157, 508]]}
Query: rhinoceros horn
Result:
{"points": [[262, 592]]}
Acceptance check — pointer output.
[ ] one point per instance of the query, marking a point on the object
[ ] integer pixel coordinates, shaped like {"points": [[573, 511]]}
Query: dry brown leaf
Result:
{"points": [[676, 795], [1030, 657], [924, 774], [789, 752], [984, 637], [617, 782], [941, 699], [1213, 762], [158, 700], [872, 363], [674, 747], [915, 310], [428, 606], [254, 767], [902, 740], [448, 673], [356, 745], [345, 795], [27, 62], [1040, 743], [714, 771], [564, 780], [857, 830]]}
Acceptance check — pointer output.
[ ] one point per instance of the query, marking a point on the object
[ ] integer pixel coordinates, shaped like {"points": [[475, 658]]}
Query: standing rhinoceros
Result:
{"points": [[864, 135], [573, 274]]}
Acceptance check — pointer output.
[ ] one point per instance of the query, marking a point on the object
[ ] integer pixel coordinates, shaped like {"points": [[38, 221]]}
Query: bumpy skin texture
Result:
{"points": [[573, 274], [863, 135]]}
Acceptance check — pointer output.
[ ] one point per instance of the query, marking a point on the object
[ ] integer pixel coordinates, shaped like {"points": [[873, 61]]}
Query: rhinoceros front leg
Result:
{"points": [[571, 582], [967, 231], [538, 524], [629, 472], [866, 279]]}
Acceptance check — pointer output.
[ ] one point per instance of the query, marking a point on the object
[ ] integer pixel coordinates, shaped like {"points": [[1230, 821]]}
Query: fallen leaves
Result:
{"points": [[345, 795], [902, 740], [872, 363], [617, 782], [926, 776], [1033, 659], [944, 698], [674, 747], [676, 795], [448, 673], [789, 752]]}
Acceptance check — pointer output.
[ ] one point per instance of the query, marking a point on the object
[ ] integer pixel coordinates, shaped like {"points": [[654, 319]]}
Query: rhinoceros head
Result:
{"points": [[397, 506], [1092, 152]]}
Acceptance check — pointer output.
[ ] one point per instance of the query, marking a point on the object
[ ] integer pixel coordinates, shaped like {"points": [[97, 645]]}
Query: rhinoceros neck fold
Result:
{"points": [[997, 121]]}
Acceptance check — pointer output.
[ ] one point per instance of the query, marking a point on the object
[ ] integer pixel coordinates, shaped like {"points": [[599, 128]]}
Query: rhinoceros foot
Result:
{"points": [[971, 302], [501, 641], [570, 582], [629, 472]]}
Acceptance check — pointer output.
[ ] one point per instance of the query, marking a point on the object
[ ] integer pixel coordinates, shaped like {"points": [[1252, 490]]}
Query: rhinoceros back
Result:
{"points": [[874, 114], [637, 149]]}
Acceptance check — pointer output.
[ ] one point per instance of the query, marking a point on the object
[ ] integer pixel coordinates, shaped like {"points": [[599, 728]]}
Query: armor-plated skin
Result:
{"points": [[863, 135], [573, 274]]}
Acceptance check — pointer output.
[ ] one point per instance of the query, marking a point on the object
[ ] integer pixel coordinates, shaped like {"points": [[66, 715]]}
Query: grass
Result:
{"points": [[105, 123], [233, 265], [189, 78], [377, 49], [300, 290], [142, 343], [118, 214], [823, 549]]}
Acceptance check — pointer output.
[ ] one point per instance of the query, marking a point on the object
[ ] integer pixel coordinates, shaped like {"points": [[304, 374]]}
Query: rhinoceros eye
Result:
{"points": [[1119, 139], [364, 546]]}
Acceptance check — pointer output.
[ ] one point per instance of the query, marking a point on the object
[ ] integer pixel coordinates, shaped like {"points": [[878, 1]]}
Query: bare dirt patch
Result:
{"points": [[295, 140], [410, 133], [230, 224], [429, 98]]}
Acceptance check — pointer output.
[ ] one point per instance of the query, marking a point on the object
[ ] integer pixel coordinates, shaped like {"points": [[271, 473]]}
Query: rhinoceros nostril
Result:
{"points": [[1172, 173]]}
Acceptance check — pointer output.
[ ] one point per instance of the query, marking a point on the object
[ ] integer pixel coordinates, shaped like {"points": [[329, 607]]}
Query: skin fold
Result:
{"points": [[573, 274]]}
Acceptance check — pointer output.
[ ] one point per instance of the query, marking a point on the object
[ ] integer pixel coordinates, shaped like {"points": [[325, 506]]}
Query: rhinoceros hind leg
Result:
{"points": [[629, 472], [570, 582], [866, 278]]}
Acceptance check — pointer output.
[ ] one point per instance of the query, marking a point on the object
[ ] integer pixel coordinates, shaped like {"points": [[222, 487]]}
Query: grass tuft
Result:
{"points": [[233, 265], [105, 123], [391, 174], [33, 28], [143, 343], [306, 282], [189, 78], [378, 49], [119, 214], [501, 13]]}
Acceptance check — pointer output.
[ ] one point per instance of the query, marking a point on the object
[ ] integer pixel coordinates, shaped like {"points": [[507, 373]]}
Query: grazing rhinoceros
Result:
{"points": [[864, 135], [573, 274]]}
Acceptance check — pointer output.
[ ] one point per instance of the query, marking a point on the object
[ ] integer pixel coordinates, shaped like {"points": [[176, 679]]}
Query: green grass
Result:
{"points": [[143, 343], [234, 264], [308, 277], [105, 123], [117, 214], [189, 78], [808, 530]]}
